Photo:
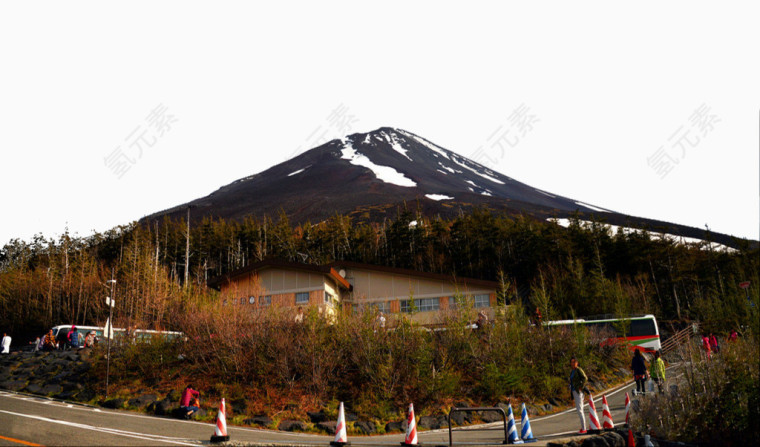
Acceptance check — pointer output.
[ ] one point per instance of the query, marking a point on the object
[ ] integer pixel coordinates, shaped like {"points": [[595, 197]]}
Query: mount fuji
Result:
{"points": [[368, 176]]}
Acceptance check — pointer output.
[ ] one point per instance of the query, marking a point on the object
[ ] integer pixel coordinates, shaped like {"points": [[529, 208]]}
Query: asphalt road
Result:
{"points": [[30, 420]]}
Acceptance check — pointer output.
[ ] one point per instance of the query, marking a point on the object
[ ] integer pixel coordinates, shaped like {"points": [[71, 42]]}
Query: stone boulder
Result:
{"points": [[113, 403], [366, 427], [396, 426], [317, 416], [292, 426], [328, 426], [429, 423], [262, 421]]}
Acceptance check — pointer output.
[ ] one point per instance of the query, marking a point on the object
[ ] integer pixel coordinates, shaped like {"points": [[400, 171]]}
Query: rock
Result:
{"points": [[317, 417], [161, 407], [351, 417], [615, 439], [396, 426], [85, 395], [173, 396], [554, 402], [262, 421], [429, 423], [33, 388], [239, 406], [328, 426], [66, 395], [491, 416], [594, 441], [457, 418], [113, 403], [51, 389], [366, 427], [292, 426], [144, 400], [547, 407]]}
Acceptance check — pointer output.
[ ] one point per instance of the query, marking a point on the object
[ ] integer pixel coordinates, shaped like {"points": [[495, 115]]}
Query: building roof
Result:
{"points": [[416, 273], [331, 270], [217, 282]]}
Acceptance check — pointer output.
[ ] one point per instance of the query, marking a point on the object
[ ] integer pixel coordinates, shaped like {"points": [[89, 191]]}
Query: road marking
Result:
{"points": [[19, 441], [113, 431]]}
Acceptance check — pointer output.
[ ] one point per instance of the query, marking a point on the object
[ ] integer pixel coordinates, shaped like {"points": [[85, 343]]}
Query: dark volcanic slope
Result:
{"points": [[368, 174]]}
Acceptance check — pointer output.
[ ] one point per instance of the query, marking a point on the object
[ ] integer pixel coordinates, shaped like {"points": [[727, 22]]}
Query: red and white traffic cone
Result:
{"points": [[596, 427], [220, 432], [411, 428], [341, 438], [631, 442], [606, 415], [627, 410]]}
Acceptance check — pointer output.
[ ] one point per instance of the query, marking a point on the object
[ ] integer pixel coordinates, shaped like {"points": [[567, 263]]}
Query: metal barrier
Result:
{"points": [[497, 409]]}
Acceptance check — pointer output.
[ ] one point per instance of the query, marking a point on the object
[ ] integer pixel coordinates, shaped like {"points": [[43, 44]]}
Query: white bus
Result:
{"points": [[139, 334], [642, 331]]}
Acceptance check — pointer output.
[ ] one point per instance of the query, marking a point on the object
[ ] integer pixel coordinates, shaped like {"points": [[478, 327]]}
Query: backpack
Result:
{"points": [[75, 338]]}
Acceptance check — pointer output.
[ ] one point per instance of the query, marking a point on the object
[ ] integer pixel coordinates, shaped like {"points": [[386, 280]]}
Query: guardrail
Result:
{"points": [[680, 338], [463, 409]]}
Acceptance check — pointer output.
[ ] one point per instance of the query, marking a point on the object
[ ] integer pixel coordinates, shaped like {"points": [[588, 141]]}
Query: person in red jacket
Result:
{"points": [[187, 404]]}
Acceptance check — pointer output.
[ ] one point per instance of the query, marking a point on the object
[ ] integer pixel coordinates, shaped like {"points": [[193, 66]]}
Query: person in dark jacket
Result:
{"points": [[73, 337], [639, 367]]}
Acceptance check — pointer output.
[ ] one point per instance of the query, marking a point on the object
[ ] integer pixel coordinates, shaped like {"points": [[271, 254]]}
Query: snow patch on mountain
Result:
{"points": [[392, 139], [298, 171], [595, 208], [546, 193], [424, 142], [438, 197], [485, 176], [684, 240], [384, 173]]}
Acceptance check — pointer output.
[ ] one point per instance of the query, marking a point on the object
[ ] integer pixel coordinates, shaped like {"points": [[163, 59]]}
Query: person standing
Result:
{"points": [[714, 343], [6, 344], [706, 346], [299, 316], [49, 343], [657, 371], [578, 381], [639, 367]]}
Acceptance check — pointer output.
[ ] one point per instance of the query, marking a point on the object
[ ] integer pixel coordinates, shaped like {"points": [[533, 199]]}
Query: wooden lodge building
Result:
{"points": [[355, 286]]}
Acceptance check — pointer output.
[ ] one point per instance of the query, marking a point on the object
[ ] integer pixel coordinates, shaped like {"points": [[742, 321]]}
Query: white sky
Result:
{"points": [[248, 85]]}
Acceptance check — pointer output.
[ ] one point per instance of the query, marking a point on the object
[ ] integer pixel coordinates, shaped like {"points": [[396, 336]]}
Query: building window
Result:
{"points": [[328, 297], [302, 298], [251, 299], [381, 306], [265, 300], [481, 301], [422, 305], [242, 300]]}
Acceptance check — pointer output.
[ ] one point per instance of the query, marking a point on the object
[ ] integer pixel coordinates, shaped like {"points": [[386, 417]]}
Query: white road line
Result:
{"points": [[143, 436]]}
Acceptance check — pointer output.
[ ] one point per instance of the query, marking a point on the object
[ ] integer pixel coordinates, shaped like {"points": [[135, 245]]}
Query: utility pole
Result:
{"points": [[109, 330], [187, 249]]}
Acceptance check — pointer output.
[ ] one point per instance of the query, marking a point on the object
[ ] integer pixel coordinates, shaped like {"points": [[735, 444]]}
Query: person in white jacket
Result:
{"points": [[6, 344]]}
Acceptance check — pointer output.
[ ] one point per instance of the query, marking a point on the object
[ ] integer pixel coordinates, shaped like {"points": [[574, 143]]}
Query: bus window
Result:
{"points": [[640, 328]]}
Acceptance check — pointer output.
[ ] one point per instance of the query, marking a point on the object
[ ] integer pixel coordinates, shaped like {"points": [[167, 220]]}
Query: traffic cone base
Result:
{"points": [[339, 443], [215, 438]]}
